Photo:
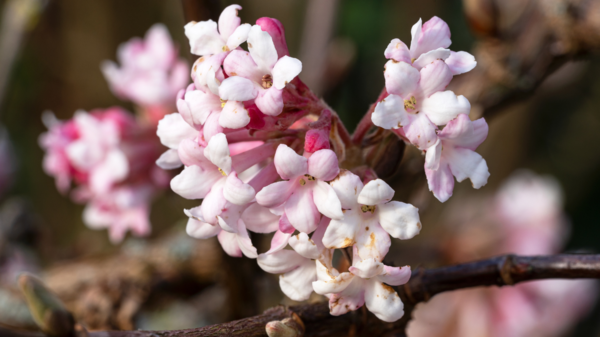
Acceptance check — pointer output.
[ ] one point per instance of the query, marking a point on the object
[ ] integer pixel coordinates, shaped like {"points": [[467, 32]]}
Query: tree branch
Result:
{"points": [[424, 284]]}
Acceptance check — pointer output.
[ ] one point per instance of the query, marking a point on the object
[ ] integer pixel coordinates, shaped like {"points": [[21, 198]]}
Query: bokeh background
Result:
{"points": [[341, 43]]}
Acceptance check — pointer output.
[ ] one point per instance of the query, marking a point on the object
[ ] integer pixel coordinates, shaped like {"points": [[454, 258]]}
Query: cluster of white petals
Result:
{"points": [[418, 104], [241, 152]]}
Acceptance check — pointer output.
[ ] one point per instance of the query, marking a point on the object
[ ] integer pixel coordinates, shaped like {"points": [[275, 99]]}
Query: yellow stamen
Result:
{"points": [[309, 177], [366, 208], [222, 172], [223, 103], [302, 182], [225, 48], [410, 103], [267, 81]]}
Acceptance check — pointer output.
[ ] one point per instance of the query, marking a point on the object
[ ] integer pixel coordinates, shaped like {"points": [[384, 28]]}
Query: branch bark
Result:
{"points": [[425, 283]]}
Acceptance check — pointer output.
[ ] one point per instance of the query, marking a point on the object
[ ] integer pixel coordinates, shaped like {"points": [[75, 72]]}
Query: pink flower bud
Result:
{"points": [[275, 29]]}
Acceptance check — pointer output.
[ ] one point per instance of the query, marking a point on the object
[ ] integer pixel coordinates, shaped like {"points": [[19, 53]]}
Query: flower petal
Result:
{"points": [[433, 156], [431, 56], [304, 246], [259, 220], [285, 70], [375, 192], [401, 78], [461, 62], [390, 113], [236, 191], [172, 129], [442, 107], [372, 241], [240, 63], [289, 164], [169, 160], [199, 229], [297, 284], [204, 37], [400, 220], [113, 169], [347, 186], [350, 299], [465, 163], [217, 151], [244, 241], [193, 182], [229, 20], [275, 29], [383, 301], [270, 101], [435, 76], [211, 127], [301, 211], [341, 233], [462, 132], [239, 36], [327, 201], [440, 181], [234, 115], [197, 106], [328, 283], [434, 34], [262, 49], [280, 262], [395, 276], [191, 153], [420, 131], [323, 165], [213, 205], [398, 51], [229, 243], [366, 268], [279, 241], [275, 194], [237, 88]]}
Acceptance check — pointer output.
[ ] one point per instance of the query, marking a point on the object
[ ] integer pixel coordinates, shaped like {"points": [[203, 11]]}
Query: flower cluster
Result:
{"points": [[418, 104], [108, 153], [526, 217], [264, 154]]}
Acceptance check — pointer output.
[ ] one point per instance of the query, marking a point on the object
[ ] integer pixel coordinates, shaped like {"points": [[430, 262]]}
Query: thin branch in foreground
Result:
{"points": [[424, 284]]}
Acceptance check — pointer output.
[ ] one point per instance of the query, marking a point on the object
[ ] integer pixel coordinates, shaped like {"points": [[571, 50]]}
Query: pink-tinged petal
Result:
{"points": [[172, 129], [431, 56], [341, 233], [395, 276], [212, 82], [304, 246], [197, 106], [317, 236], [243, 161], [211, 127], [375, 192], [169, 160], [159, 44], [372, 241], [285, 70], [350, 299], [262, 49], [213, 204], [462, 132], [390, 113], [383, 301], [433, 156], [285, 225], [323, 165], [230, 244], [190, 153], [420, 131], [275, 29], [240, 63], [366, 268], [259, 219], [442, 107], [434, 34], [289, 164], [204, 37], [400, 220], [279, 241], [275, 194], [397, 51], [270, 101], [202, 69], [316, 140], [440, 182], [435, 76], [297, 284], [237, 88], [301, 211], [280, 262], [236, 191], [461, 62], [113, 169], [199, 229], [193, 182], [465, 163], [347, 186], [239, 36], [217, 151], [229, 20], [401, 78], [244, 241], [329, 283], [327, 201], [234, 115]]}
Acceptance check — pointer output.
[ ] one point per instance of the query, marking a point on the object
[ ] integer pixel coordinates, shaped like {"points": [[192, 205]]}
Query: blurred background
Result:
{"points": [[56, 66]]}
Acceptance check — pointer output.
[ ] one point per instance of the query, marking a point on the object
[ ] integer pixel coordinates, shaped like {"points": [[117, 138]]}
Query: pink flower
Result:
{"points": [[304, 195], [150, 74], [259, 73], [369, 216], [454, 155], [364, 283]]}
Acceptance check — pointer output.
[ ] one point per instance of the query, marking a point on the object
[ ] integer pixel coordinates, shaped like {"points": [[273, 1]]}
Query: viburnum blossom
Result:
{"points": [[525, 217], [151, 73], [264, 154]]}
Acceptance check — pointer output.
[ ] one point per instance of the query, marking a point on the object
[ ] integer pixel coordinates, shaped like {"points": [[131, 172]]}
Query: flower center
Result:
{"points": [[410, 103], [367, 208], [225, 48], [223, 103], [308, 177], [267, 81]]}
